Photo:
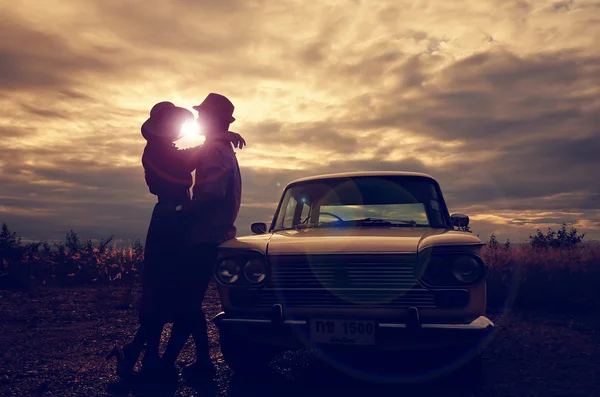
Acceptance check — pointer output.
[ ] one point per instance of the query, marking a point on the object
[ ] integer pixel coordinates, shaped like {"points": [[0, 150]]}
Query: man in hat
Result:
{"points": [[218, 181], [211, 212]]}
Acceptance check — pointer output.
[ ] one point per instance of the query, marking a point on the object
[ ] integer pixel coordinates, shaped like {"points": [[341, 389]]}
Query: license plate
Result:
{"points": [[344, 332]]}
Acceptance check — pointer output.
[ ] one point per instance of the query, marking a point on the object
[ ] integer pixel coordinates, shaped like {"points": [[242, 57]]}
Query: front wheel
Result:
{"points": [[245, 357]]}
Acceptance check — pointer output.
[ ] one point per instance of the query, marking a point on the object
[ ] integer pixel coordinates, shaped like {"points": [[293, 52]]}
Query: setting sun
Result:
{"points": [[190, 129]]}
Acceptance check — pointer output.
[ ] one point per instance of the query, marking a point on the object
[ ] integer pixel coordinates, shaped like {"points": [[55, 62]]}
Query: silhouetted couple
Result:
{"points": [[183, 235]]}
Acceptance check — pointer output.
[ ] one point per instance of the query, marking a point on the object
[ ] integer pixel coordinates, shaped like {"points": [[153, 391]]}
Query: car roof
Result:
{"points": [[361, 174]]}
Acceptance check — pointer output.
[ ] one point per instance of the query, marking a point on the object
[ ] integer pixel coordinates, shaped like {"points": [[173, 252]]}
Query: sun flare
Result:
{"points": [[190, 135], [190, 129]]}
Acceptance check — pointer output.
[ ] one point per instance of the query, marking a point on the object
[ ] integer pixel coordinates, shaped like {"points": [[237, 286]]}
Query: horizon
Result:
{"points": [[121, 243], [495, 100]]}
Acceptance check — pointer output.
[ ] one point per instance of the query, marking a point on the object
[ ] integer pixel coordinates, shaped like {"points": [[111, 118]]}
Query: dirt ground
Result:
{"points": [[53, 343]]}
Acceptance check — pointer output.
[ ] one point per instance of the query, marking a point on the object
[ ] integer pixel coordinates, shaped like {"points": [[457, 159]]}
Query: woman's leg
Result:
{"points": [[131, 352], [204, 256], [179, 336], [135, 347], [207, 255], [154, 289], [200, 335], [151, 355]]}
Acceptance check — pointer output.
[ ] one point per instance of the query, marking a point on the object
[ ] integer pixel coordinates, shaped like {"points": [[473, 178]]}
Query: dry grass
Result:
{"points": [[548, 278], [559, 278], [53, 342]]}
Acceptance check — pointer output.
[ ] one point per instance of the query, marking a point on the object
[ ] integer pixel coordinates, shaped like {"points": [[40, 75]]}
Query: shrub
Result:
{"points": [[553, 271], [562, 239], [532, 276], [66, 263]]}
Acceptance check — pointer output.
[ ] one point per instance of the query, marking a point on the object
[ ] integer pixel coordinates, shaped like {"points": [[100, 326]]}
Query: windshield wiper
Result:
{"points": [[355, 223], [306, 226], [385, 222]]}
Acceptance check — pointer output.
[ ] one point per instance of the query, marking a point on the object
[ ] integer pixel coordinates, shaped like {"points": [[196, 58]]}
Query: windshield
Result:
{"points": [[405, 201]]}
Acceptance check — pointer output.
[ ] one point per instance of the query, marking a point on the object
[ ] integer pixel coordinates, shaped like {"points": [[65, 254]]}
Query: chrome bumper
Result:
{"points": [[480, 323], [409, 335]]}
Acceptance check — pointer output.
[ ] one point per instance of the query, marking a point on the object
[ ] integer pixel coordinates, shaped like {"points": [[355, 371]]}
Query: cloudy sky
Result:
{"points": [[498, 100]]}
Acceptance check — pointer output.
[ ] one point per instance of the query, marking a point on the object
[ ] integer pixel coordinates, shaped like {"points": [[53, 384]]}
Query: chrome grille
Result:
{"points": [[386, 281]]}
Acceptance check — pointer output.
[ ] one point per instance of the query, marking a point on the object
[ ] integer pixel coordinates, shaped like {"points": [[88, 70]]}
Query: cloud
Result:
{"points": [[45, 62], [496, 100]]}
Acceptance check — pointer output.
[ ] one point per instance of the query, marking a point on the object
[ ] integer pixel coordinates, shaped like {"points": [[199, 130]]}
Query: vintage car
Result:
{"points": [[356, 266]]}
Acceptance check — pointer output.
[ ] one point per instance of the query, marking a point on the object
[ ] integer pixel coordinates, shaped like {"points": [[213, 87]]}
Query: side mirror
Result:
{"points": [[259, 228], [459, 220]]}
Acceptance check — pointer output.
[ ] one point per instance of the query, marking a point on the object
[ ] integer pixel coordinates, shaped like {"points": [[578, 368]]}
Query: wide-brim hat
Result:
{"points": [[165, 121], [217, 105]]}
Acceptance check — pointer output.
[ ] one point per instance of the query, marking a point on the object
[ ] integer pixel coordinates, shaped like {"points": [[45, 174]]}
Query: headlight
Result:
{"points": [[255, 271], [228, 271], [466, 269], [432, 270], [450, 269]]}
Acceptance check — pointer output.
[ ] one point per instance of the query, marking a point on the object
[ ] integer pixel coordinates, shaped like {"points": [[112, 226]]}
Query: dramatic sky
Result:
{"points": [[498, 100]]}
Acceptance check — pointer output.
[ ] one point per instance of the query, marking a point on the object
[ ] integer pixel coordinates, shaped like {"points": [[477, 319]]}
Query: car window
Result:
{"points": [[410, 212], [288, 220], [305, 212], [399, 198]]}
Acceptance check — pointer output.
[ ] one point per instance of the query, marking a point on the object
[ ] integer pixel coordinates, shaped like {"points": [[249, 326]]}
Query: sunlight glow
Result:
{"points": [[190, 129]]}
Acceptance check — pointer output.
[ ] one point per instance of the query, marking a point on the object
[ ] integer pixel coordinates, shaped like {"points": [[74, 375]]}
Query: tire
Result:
{"points": [[246, 358]]}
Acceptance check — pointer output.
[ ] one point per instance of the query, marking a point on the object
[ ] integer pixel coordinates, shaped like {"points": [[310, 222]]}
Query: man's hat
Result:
{"points": [[217, 105], [164, 119]]}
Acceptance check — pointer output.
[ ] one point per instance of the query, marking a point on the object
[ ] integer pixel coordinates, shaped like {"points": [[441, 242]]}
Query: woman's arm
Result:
{"points": [[235, 138], [188, 157]]}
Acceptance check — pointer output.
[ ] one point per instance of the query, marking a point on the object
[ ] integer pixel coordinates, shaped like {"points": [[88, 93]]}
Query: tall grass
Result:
{"points": [[67, 263], [554, 278], [545, 273]]}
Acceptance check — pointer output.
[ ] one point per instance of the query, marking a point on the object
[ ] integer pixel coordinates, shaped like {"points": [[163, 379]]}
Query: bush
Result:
{"points": [[562, 239], [67, 263], [553, 271]]}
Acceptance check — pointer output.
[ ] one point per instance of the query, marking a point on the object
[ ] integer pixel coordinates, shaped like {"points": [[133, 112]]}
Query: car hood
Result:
{"points": [[363, 240]]}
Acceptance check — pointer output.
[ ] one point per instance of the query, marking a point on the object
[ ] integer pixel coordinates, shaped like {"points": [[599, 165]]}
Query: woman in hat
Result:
{"points": [[168, 176]]}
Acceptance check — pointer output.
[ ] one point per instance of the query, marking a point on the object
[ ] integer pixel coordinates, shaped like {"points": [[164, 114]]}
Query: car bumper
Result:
{"points": [[405, 336]]}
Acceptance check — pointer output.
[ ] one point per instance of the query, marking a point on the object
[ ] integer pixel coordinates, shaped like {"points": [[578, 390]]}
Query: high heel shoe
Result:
{"points": [[124, 364]]}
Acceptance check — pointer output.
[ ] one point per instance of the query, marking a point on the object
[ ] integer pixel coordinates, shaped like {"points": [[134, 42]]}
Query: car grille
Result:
{"points": [[378, 281]]}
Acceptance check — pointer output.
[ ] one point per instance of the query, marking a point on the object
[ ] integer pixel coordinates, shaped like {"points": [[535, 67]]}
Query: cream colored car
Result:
{"points": [[356, 266]]}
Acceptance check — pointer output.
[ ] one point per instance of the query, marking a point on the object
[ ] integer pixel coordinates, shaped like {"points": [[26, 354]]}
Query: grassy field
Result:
{"points": [[553, 271], [63, 306], [53, 342]]}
